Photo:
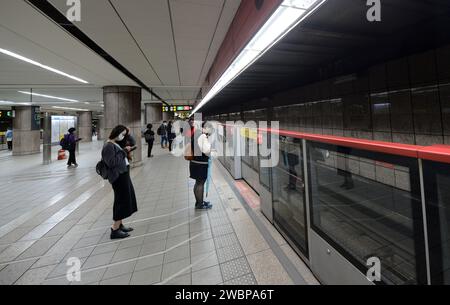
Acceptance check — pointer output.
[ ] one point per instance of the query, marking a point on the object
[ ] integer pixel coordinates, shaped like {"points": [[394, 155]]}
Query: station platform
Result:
{"points": [[49, 214]]}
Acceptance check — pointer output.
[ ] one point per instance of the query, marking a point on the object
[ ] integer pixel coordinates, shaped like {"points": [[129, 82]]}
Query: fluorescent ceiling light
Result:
{"points": [[49, 96], [288, 15], [30, 61], [68, 108], [9, 103]]}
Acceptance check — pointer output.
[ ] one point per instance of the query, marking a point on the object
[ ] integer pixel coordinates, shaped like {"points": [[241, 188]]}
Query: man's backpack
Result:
{"points": [[149, 137], [102, 169], [159, 131]]}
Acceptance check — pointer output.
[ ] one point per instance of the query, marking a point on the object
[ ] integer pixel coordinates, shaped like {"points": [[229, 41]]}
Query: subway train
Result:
{"points": [[356, 211]]}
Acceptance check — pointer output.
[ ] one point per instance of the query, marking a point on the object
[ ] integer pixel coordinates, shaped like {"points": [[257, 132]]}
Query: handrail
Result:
{"points": [[437, 153]]}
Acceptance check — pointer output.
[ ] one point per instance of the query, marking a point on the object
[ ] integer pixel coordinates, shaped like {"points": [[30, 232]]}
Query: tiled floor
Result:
{"points": [[49, 214]]}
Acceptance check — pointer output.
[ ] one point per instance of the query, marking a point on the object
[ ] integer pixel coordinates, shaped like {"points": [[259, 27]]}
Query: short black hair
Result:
{"points": [[149, 126], [72, 130], [117, 131]]}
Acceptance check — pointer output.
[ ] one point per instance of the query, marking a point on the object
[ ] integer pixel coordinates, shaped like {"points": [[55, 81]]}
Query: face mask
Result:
{"points": [[121, 137]]}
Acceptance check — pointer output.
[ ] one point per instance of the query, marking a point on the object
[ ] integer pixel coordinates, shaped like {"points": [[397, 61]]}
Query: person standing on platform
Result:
{"points": [[9, 138], [149, 135], [198, 167], [162, 131], [128, 141], [116, 160], [71, 141], [170, 134]]}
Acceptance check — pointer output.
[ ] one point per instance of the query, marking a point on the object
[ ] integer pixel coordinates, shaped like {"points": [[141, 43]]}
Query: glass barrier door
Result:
{"points": [[288, 191], [366, 211], [437, 198]]}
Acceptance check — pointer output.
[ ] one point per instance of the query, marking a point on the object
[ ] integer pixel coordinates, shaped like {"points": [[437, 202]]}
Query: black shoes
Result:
{"points": [[118, 234], [125, 229], [203, 206]]}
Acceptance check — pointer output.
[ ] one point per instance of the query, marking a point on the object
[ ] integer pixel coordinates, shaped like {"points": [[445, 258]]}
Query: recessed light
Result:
{"points": [[49, 96], [69, 108], [30, 61]]}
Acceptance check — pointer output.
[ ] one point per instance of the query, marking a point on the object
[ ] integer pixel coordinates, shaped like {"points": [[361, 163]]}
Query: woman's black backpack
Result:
{"points": [[102, 169]]}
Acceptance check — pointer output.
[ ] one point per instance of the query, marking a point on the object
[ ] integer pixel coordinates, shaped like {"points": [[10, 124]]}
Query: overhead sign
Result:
{"points": [[7, 114], [176, 108]]}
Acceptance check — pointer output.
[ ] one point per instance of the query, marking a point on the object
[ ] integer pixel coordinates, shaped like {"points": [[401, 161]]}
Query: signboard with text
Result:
{"points": [[177, 108]]}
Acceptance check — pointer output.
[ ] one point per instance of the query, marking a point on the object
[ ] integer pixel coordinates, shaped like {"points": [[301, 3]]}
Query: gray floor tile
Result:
{"points": [[100, 249], [185, 279], [235, 268], [120, 280], [204, 261], [202, 247], [147, 276], [208, 276], [125, 254], [229, 253], [173, 268], [148, 262], [119, 270], [98, 260], [153, 247], [176, 254]]}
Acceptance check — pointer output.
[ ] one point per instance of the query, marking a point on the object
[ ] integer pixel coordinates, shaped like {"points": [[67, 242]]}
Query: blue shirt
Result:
{"points": [[9, 135]]}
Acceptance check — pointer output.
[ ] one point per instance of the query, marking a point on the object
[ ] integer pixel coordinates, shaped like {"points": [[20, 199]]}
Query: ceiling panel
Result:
{"points": [[101, 23], [36, 37]]}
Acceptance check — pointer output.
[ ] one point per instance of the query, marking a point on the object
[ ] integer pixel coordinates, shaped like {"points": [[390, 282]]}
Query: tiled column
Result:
{"points": [[47, 139], [101, 129], [85, 126], [123, 107], [26, 131]]}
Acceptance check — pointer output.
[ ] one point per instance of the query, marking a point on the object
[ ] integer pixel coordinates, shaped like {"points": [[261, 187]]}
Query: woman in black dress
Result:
{"points": [[116, 159]]}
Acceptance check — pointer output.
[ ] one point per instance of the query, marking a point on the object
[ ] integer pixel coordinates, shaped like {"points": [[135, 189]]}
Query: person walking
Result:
{"points": [[198, 167], [162, 131], [9, 138], [150, 139], [70, 144], [116, 160]]}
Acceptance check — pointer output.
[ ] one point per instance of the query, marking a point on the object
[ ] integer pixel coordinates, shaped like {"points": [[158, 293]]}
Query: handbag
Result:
{"points": [[102, 169]]}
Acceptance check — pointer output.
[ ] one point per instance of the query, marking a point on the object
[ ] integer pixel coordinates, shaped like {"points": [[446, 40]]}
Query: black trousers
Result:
{"points": [[10, 145], [170, 145], [150, 147], [72, 159]]}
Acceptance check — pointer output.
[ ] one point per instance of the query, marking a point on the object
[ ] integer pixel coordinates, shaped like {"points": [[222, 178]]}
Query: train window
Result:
{"points": [[368, 205]]}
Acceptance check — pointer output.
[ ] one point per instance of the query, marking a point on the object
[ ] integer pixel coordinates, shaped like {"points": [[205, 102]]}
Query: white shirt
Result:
{"points": [[205, 146]]}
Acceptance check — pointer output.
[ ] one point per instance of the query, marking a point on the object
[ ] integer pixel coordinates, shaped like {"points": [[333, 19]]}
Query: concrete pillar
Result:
{"points": [[123, 107], [153, 114], [101, 129], [85, 126], [26, 131], [47, 139]]}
